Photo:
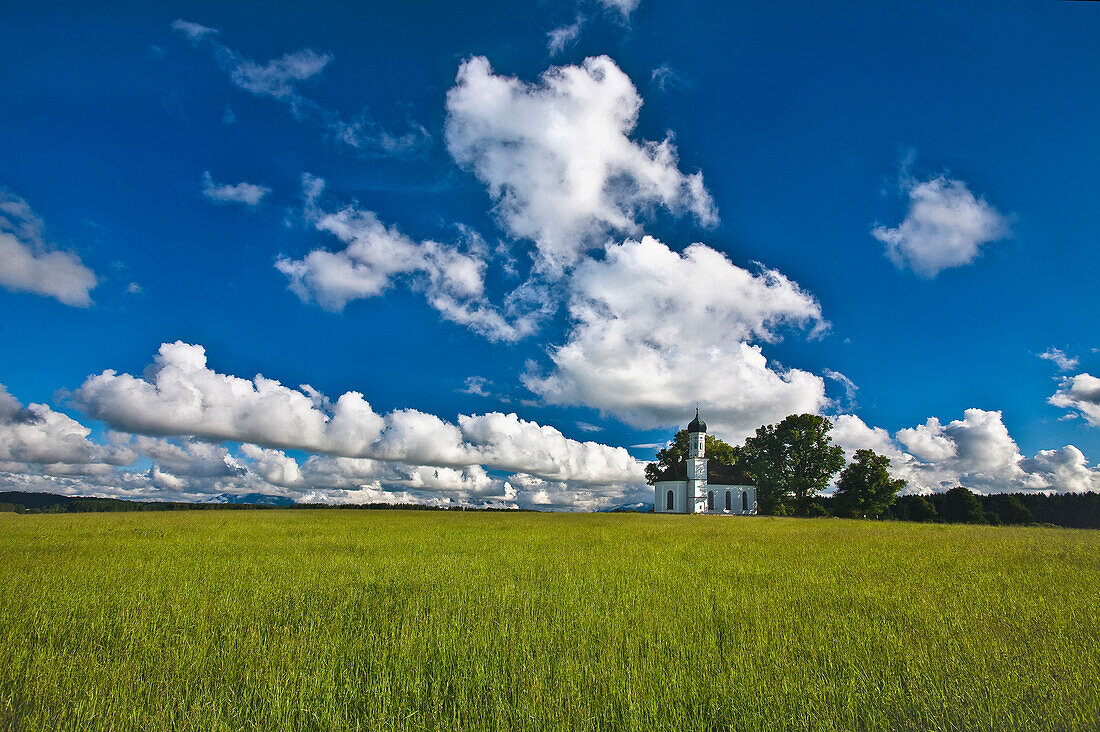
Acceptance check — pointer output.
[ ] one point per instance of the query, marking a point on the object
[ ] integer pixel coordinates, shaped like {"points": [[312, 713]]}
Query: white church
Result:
{"points": [[692, 486]]}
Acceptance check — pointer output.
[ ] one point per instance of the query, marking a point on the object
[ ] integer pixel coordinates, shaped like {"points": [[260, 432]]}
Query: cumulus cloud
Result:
{"points": [[38, 434], [248, 194], [451, 277], [283, 79], [29, 263], [558, 158], [1060, 359], [946, 226], [180, 396], [1080, 393], [559, 38], [653, 332], [976, 452]]}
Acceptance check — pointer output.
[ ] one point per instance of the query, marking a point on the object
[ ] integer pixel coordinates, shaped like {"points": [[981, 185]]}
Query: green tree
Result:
{"points": [[677, 451], [865, 488], [916, 508], [960, 506], [791, 462], [1011, 510]]}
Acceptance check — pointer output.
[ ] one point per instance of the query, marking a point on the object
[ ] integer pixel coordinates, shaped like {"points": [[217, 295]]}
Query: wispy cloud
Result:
{"points": [[666, 77], [283, 78], [248, 194], [476, 385], [1060, 359], [559, 38]]}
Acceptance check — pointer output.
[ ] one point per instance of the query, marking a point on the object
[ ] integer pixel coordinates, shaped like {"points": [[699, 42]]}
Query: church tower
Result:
{"points": [[697, 466]]}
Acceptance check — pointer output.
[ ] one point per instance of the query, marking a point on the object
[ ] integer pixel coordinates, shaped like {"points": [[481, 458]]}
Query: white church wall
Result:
{"points": [[684, 500], [679, 496]]}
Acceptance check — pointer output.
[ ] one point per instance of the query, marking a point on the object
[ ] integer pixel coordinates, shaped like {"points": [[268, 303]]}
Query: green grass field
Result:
{"points": [[304, 619]]}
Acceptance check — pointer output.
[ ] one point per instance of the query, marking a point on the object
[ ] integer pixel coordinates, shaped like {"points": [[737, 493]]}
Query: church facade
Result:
{"points": [[693, 486]]}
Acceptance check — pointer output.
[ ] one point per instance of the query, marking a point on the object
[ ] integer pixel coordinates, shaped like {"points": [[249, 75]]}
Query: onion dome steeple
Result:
{"points": [[697, 425]]}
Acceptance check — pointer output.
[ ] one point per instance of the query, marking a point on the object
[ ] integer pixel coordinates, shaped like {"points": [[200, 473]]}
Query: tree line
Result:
{"points": [[793, 462]]}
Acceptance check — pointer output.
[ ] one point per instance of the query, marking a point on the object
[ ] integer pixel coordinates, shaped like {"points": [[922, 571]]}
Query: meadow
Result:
{"points": [[396, 620]]}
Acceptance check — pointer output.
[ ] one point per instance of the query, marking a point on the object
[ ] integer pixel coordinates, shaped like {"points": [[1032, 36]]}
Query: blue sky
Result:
{"points": [[896, 207]]}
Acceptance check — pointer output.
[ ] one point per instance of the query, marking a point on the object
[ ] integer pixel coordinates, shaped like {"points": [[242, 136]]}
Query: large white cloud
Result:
{"points": [[558, 158], [38, 434], [653, 332], [180, 396], [189, 413], [976, 452], [451, 276], [1080, 393], [946, 226], [29, 263]]}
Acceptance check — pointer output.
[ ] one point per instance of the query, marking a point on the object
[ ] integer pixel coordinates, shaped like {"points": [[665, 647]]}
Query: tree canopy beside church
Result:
{"points": [[677, 452], [865, 488], [792, 462]]}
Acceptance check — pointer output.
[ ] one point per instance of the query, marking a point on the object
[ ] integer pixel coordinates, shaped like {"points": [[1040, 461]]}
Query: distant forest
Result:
{"points": [[1071, 510]]}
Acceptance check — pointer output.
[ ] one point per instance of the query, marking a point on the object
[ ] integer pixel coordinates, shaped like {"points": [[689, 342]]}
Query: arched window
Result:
{"points": [[729, 502], [670, 502], [710, 500], [744, 501]]}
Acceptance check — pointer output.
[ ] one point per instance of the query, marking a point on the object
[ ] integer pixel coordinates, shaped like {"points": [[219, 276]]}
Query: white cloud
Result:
{"points": [[1082, 393], [558, 160], [179, 396], [451, 277], [976, 452], [1065, 470], [282, 79], [559, 38], [653, 332], [192, 31], [279, 78], [945, 226], [622, 7], [1060, 359], [476, 385], [28, 263], [666, 77], [849, 386], [248, 194], [37, 434]]}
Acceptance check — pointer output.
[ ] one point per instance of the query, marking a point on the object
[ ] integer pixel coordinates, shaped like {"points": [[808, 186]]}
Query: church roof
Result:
{"points": [[697, 425], [717, 473]]}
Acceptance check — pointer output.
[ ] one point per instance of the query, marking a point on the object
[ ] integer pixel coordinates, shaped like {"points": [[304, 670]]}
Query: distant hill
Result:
{"points": [[253, 499], [640, 507]]}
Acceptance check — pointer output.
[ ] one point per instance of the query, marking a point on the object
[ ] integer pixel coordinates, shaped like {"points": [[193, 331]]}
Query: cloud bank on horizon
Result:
{"points": [[574, 190]]}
